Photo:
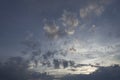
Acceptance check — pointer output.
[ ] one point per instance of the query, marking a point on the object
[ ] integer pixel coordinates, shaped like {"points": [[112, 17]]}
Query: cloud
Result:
{"points": [[94, 8], [67, 25], [70, 31], [70, 22], [69, 19], [62, 64], [51, 29], [103, 73], [16, 68], [91, 10], [93, 28]]}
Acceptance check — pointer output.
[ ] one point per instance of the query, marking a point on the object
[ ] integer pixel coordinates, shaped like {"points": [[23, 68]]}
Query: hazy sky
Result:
{"points": [[88, 31]]}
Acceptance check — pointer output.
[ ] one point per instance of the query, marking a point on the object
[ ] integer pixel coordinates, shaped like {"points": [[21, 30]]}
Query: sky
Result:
{"points": [[85, 32]]}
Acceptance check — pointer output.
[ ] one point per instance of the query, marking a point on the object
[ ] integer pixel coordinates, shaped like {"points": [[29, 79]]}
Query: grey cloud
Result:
{"points": [[69, 19], [103, 73], [58, 63], [70, 22], [51, 29], [93, 28], [16, 68], [91, 10], [94, 8]]}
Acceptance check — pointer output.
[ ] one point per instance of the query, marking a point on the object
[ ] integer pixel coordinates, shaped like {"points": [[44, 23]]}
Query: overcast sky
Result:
{"points": [[87, 31]]}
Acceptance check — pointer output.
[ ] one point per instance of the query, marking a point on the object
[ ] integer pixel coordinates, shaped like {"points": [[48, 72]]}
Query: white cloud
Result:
{"points": [[78, 70], [70, 31]]}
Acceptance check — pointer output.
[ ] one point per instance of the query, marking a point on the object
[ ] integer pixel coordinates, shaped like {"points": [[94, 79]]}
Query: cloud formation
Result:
{"points": [[94, 8], [51, 29], [70, 22], [103, 73], [16, 68], [67, 25], [91, 10]]}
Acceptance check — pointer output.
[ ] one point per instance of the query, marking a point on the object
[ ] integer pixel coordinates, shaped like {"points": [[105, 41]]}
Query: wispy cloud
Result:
{"points": [[51, 29], [70, 22], [91, 10], [94, 8]]}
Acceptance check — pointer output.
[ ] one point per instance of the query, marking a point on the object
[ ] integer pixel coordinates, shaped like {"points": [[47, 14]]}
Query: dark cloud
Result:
{"points": [[16, 68], [89, 49], [103, 73], [58, 63]]}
